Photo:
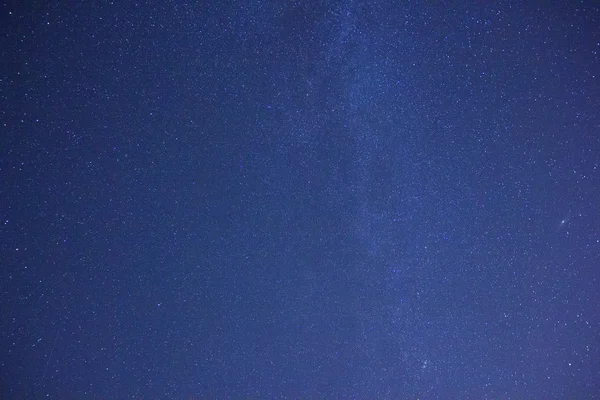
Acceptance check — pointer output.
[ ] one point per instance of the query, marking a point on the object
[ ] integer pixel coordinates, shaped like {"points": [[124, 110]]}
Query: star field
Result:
{"points": [[313, 200]]}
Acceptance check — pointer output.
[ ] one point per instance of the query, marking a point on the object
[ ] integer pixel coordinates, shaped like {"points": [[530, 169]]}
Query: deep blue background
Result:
{"points": [[337, 199]]}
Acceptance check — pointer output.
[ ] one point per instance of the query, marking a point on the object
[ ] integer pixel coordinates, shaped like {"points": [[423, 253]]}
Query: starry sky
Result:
{"points": [[288, 199]]}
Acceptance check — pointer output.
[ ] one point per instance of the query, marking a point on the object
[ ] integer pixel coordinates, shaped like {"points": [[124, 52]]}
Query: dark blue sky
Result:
{"points": [[341, 199]]}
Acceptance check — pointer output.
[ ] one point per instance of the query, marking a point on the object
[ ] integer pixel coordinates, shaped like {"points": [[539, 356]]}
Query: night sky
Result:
{"points": [[315, 200]]}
